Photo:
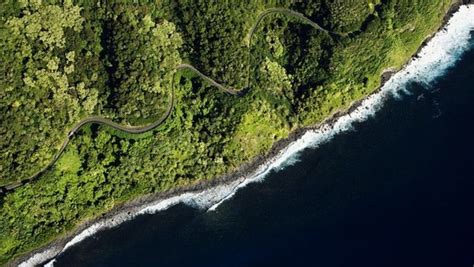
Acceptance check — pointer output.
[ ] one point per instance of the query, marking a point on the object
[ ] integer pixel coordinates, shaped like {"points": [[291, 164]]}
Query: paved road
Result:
{"points": [[153, 125]]}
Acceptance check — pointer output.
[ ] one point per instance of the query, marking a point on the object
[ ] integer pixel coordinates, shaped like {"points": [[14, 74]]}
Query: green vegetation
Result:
{"points": [[141, 56], [51, 77], [62, 62]]}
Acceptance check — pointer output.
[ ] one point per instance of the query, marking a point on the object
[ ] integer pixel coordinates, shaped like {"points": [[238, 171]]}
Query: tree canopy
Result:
{"points": [[63, 61]]}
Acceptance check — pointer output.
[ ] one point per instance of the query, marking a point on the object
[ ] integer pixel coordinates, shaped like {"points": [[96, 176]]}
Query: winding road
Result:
{"points": [[145, 128]]}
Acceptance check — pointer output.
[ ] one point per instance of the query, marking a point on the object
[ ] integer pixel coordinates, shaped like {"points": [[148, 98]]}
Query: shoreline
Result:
{"points": [[247, 172]]}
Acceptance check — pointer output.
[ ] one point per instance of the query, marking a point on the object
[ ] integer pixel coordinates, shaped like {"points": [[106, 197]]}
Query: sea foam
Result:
{"points": [[440, 53]]}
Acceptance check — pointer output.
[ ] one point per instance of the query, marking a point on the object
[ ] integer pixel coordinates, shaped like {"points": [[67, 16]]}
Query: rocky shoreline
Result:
{"points": [[127, 210]]}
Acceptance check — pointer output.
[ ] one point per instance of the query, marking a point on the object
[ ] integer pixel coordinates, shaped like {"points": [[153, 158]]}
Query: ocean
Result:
{"points": [[394, 188]]}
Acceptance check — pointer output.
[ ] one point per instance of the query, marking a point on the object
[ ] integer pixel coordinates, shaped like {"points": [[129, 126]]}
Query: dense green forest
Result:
{"points": [[62, 61]]}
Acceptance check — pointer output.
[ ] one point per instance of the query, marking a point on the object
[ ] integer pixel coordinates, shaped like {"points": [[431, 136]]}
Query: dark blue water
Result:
{"points": [[397, 191]]}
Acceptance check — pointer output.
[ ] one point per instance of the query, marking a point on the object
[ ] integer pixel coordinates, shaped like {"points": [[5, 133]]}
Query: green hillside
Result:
{"points": [[64, 61]]}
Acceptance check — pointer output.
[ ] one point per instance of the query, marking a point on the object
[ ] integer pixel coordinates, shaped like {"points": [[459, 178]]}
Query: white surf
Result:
{"points": [[441, 52]]}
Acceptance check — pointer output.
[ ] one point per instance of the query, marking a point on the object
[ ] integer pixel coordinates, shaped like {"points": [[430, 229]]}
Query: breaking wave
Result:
{"points": [[440, 53]]}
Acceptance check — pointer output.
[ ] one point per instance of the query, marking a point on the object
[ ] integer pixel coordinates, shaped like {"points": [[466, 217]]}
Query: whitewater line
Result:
{"points": [[440, 53]]}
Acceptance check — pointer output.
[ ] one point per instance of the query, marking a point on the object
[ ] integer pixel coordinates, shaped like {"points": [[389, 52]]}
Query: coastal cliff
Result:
{"points": [[211, 134]]}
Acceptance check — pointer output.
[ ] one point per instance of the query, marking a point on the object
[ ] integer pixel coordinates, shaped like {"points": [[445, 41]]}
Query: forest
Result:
{"points": [[63, 61]]}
